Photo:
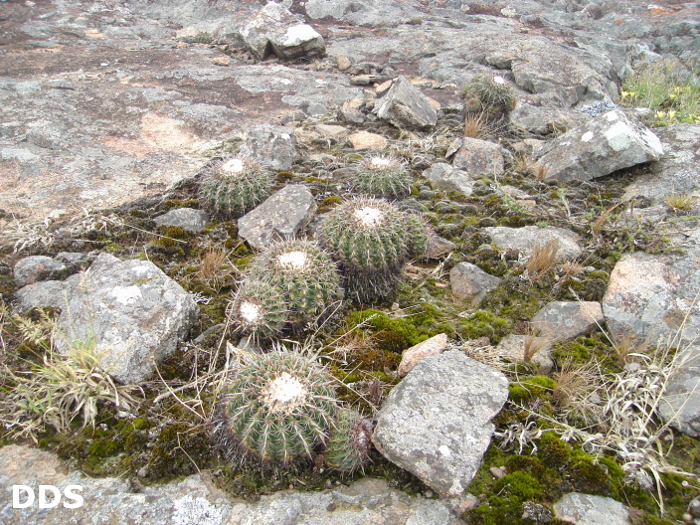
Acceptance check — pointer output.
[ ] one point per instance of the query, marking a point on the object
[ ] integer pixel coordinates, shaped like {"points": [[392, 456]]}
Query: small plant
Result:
{"points": [[278, 406], [381, 177], [475, 125], [305, 275], [235, 185], [543, 260], [372, 240], [350, 442], [679, 202], [489, 96], [258, 309]]}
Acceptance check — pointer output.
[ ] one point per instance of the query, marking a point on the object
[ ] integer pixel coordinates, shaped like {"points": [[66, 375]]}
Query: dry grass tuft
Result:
{"points": [[543, 260], [533, 344], [576, 392], [212, 262], [475, 126], [679, 202]]}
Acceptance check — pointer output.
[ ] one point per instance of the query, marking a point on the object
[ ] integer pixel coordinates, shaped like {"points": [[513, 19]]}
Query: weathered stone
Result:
{"points": [[274, 146], [599, 147], [350, 111], [135, 312], [468, 281], [37, 268], [343, 62], [535, 349], [680, 404], [195, 500], [281, 216], [561, 320], [186, 218], [439, 246], [406, 107], [221, 61], [410, 357], [436, 422], [479, 157], [330, 130], [446, 177], [364, 140], [275, 29], [527, 238], [544, 119], [584, 509]]}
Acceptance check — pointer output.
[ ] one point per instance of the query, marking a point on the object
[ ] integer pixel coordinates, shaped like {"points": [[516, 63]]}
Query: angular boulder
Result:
{"points": [[186, 218], [468, 281], [479, 157], [561, 320], [599, 147], [527, 238], [436, 423], [135, 313], [274, 146], [584, 509], [280, 216], [37, 268], [274, 29], [444, 176], [406, 107]]}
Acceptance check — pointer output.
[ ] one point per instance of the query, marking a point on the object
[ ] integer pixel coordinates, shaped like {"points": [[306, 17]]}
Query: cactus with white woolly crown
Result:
{"points": [[279, 405], [306, 276], [488, 95], [372, 240], [381, 177], [233, 186], [258, 309], [349, 442]]}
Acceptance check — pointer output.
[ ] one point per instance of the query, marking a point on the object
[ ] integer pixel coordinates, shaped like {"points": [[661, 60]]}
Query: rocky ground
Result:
{"points": [[537, 365]]}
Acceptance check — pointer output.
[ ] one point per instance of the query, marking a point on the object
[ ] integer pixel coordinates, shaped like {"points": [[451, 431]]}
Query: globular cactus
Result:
{"points": [[279, 405], [490, 96], [258, 309], [306, 276], [233, 186], [372, 240], [381, 177], [350, 442]]}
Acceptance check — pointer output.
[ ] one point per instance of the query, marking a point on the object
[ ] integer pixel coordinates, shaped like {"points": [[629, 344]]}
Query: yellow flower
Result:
{"points": [[672, 96], [671, 114], [660, 114]]}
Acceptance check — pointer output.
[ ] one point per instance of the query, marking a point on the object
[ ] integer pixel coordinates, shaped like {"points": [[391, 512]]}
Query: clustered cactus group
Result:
{"points": [[372, 240], [234, 185], [490, 96]]}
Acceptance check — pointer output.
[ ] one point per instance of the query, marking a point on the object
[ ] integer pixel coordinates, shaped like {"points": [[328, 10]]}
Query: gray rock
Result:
{"points": [[446, 177], [439, 246], [599, 147], [135, 312], [406, 107], [584, 509], [544, 119], [281, 216], [195, 500], [527, 238], [275, 146], [275, 29], [680, 404], [536, 349], [561, 320], [37, 268], [186, 218], [45, 135], [468, 281], [479, 157], [436, 422]]}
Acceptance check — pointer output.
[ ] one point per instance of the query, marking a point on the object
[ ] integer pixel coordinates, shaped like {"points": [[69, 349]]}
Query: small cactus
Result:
{"points": [[349, 442], [381, 177], [279, 405], [306, 276], [258, 309], [490, 96], [233, 186], [372, 240]]}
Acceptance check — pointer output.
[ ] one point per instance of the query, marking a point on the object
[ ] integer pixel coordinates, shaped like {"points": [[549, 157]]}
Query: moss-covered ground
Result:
{"points": [[362, 345]]}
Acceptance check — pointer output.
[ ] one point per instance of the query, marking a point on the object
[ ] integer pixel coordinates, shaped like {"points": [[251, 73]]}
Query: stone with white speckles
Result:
{"points": [[584, 509], [436, 423], [599, 147], [561, 320], [137, 314]]}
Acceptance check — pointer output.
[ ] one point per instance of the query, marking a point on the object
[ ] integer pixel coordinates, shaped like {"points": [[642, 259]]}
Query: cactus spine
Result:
{"points": [[279, 405], [381, 177], [235, 185], [490, 96], [349, 442], [372, 240], [257, 309]]}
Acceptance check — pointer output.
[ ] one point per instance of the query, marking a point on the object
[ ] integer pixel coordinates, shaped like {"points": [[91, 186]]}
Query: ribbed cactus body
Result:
{"points": [[381, 177], [306, 275], [280, 405], [235, 185], [350, 442], [258, 308], [372, 240], [491, 96]]}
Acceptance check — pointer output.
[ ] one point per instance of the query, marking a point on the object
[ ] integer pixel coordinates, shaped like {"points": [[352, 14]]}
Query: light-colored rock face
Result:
{"points": [[364, 140], [188, 219], [527, 238], [479, 157], [528, 348], [406, 107], [280, 216], [561, 320], [196, 500], [468, 281], [599, 147], [444, 176], [411, 356], [436, 422], [584, 509], [135, 312]]}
